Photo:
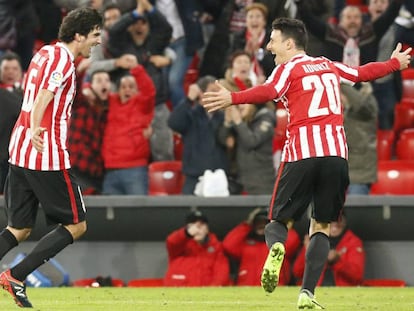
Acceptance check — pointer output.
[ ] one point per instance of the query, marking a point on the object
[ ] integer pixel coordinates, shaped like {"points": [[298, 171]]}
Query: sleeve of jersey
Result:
{"points": [[375, 70], [57, 71], [255, 95]]}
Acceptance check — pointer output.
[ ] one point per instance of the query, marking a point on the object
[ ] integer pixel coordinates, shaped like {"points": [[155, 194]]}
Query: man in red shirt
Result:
{"points": [[39, 159], [195, 255], [314, 166]]}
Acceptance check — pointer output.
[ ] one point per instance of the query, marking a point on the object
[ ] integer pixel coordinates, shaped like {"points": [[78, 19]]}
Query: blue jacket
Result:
{"points": [[201, 149]]}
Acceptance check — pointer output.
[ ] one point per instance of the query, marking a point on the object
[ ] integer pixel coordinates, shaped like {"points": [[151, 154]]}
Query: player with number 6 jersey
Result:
{"points": [[40, 171], [314, 167], [51, 68]]}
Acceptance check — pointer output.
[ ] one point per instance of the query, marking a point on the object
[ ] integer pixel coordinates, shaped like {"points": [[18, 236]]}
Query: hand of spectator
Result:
{"points": [[160, 61], [37, 140], [403, 57], [206, 18], [83, 65], [126, 61], [198, 230], [252, 215], [145, 5], [235, 115], [194, 92], [333, 256], [147, 132], [89, 95]]}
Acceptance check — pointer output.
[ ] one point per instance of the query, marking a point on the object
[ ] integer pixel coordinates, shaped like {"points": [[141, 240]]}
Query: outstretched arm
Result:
{"points": [[223, 98], [375, 70]]}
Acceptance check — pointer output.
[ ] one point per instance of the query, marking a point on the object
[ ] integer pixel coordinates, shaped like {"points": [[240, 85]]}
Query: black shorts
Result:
{"points": [[56, 191], [321, 181]]}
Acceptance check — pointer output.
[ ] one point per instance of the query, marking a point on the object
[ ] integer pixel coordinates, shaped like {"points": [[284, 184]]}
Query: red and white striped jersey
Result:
{"points": [[51, 68], [309, 88]]}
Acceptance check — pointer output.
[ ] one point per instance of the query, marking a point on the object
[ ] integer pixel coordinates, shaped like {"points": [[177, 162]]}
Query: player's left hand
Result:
{"points": [[37, 140], [403, 57], [220, 99]]}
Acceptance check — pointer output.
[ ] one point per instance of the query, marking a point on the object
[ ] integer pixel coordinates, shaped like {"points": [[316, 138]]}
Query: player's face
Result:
{"points": [[127, 88], [86, 43], [278, 46], [101, 84]]}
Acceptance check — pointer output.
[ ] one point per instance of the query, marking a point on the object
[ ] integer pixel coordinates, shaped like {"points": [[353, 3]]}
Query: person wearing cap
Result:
{"points": [[346, 259], [247, 246], [195, 255]]}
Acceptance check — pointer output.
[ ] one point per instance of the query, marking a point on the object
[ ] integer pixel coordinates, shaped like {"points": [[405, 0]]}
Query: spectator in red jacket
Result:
{"points": [[246, 244], [346, 260], [195, 255], [126, 147]]}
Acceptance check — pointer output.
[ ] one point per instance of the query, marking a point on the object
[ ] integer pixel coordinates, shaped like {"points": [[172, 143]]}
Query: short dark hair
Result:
{"points": [[292, 28], [9, 55], [81, 21], [203, 82]]}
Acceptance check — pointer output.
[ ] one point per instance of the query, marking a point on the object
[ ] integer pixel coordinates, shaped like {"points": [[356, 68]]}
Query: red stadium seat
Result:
{"points": [[92, 282], [403, 116], [155, 282], [405, 145], [165, 178], [384, 283], [178, 147], [394, 177], [385, 143], [408, 90]]}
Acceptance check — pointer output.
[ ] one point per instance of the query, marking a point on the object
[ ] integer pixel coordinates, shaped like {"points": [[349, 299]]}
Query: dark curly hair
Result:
{"points": [[81, 21]]}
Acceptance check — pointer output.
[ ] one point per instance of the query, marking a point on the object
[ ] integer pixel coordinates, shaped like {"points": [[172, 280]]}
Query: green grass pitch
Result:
{"points": [[209, 299]]}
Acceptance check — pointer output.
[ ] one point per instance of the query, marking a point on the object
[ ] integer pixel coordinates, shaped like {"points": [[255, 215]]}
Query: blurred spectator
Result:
{"points": [[253, 39], [195, 255], [247, 132], [88, 122], [246, 244], [350, 41], [187, 38], [23, 20], [8, 31], [126, 148], [388, 89], [50, 17], [360, 121], [10, 104], [101, 59], [232, 20], [405, 24], [198, 130], [346, 259], [323, 10], [146, 34], [11, 73]]}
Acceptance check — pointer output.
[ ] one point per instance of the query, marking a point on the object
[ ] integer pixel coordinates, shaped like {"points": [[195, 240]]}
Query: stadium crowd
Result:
{"points": [[138, 101]]}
